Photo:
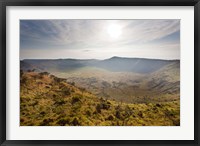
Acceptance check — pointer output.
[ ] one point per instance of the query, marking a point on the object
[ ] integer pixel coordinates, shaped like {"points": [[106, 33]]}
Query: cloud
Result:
{"points": [[143, 31], [92, 35]]}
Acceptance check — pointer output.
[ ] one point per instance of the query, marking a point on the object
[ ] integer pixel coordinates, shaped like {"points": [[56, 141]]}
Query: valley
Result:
{"points": [[138, 81], [100, 92]]}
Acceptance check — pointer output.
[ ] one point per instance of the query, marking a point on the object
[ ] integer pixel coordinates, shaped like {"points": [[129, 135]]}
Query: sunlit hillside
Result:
{"points": [[47, 100]]}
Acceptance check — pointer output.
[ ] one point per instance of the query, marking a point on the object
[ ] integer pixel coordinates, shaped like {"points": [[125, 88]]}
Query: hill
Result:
{"points": [[46, 100], [114, 64]]}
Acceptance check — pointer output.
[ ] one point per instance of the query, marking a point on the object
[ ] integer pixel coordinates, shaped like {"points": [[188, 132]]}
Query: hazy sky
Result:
{"points": [[99, 39]]}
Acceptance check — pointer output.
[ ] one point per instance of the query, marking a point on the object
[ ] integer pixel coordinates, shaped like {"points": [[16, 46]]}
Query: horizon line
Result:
{"points": [[98, 59]]}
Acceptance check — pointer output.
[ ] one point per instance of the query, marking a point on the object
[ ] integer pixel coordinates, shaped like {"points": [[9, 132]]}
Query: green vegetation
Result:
{"points": [[46, 100]]}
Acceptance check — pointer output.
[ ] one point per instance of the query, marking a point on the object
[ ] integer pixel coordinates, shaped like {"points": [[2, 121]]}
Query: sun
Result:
{"points": [[114, 30]]}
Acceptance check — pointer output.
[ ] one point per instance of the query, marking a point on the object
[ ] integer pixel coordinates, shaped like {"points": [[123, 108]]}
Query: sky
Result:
{"points": [[99, 39]]}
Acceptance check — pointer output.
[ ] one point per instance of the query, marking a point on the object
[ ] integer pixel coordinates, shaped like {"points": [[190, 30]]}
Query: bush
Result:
{"points": [[47, 87], [60, 102], [22, 120], [44, 73], [176, 122], [105, 106], [75, 100], [75, 122], [63, 122], [110, 118], [158, 105], [66, 91], [128, 111], [88, 113], [140, 114], [57, 80], [98, 108], [46, 122], [42, 113], [118, 115]]}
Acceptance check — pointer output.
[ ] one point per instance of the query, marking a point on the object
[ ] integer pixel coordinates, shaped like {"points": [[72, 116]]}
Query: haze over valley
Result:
{"points": [[123, 79]]}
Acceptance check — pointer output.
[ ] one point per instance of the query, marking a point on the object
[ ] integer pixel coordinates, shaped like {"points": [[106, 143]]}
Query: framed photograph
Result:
{"points": [[99, 72]]}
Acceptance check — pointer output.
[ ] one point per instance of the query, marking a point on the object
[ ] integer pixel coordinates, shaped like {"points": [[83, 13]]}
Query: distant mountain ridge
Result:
{"points": [[114, 64]]}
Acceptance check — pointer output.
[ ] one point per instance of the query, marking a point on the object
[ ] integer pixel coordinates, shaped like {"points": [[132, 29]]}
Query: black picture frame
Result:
{"points": [[5, 3]]}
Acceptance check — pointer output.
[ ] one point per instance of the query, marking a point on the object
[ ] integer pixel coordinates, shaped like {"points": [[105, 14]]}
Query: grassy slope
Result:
{"points": [[48, 100]]}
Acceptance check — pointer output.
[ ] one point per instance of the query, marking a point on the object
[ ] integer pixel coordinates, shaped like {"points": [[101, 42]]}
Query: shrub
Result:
{"points": [[57, 80], [66, 91], [46, 122], [117, 114], [75, 122], [44, 73], [176, 122], [42, 113], [140, 114], [60, 102], [98, 108], [128, 111], [88, 113], [110, 118], [22, 120], [158, 105], [63, 122], [105, 106], [75, 100], [47, 87]]}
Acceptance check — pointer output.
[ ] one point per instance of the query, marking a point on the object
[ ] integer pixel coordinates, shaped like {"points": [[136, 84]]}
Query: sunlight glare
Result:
{"points": [[114, 30]]}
